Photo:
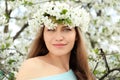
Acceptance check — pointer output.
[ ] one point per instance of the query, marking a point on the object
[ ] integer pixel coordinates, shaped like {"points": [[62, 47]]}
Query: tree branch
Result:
{"points": [[6, 5], [7, 15], [112, 70], [6, 12], [95, 67], [21, 30], [107, 66], [105, 60], [12, 49]]}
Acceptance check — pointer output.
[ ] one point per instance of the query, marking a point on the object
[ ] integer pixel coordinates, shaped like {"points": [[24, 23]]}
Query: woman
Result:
{"points": [[58, 51]]}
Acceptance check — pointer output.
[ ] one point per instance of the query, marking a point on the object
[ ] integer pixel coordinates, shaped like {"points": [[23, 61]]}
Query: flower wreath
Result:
{"points": [[52, 13]]}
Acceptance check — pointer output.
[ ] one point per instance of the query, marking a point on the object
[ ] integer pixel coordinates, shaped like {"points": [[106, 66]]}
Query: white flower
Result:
{"points": [[51, 13]]}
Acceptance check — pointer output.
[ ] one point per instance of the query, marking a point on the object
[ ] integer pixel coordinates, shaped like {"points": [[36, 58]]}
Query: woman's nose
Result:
{"points": [[59, 36]]}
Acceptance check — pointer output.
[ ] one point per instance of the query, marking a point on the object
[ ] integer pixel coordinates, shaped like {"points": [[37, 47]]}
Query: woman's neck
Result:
{"points": [[61, 62]]}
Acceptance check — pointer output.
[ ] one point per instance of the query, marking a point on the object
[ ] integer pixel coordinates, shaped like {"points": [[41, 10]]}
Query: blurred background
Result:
{"points": [[102, 37]]}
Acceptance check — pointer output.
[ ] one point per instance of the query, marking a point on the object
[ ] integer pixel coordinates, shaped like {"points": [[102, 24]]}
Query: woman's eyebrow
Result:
{"points": [[65, 27]]}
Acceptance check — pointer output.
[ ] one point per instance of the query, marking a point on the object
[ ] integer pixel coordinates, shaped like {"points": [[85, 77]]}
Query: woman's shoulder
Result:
{"points": [[36, 67], [32, 62], [30, 68]]}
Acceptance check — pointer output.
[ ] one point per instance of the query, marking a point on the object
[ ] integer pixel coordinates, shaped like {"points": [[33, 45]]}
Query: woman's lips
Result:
{"points": [[59, 45]]}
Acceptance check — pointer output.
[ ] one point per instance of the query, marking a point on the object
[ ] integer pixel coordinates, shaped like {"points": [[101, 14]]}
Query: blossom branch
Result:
{"points": [[7, 14], [21, 30], [105, 60], [107, 66], [6, 5], [12, 49], [95, 67], [112, 70]]}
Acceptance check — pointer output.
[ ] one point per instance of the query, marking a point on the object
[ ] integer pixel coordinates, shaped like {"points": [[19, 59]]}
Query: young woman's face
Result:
{"points": [[59, 41]]}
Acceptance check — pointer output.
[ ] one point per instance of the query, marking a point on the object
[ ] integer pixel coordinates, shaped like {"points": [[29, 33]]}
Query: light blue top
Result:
{"points": [[64, 76]]}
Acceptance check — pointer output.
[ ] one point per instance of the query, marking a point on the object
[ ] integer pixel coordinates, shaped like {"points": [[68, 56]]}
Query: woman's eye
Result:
{"points": [[50, 29], [67, 29]]}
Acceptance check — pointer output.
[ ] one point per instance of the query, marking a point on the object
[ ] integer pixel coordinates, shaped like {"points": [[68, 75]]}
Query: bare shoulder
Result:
{"points": [[30, 68], [32, 62], [36, 68]]}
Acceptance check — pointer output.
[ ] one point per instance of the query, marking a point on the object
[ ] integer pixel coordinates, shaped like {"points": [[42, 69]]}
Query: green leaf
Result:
{"points": [[68, 21], [96, 51], [64, 11], [104, 30], [94, 22], [1, 74], [96, 72], [12, 0], [7, 16], [7, 45], [28, 3], [3, 47], [11, 61], [60, 21], [11, 76], [24, 17]]}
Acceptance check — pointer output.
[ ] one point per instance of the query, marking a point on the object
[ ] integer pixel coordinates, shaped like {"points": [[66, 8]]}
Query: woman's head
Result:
{"points": [[54, 14]]}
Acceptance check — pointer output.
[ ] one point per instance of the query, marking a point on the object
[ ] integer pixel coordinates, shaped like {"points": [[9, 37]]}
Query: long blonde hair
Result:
{"points": [[78, 58]]}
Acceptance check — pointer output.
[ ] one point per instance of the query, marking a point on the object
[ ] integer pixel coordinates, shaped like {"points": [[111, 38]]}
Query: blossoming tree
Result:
{"points": [[102, 36]]}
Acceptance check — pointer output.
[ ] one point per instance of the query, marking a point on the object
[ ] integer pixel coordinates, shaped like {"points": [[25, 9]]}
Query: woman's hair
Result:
{"points": [[78, 59]]}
